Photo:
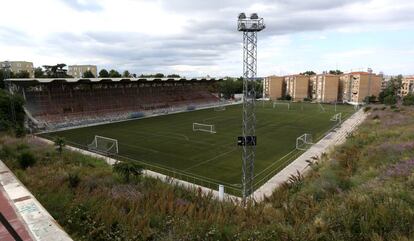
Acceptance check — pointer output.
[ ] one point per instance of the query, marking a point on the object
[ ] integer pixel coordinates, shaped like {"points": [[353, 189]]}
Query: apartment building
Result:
{"points": [[324, 87], [273, 87], [297, 86], [76, 71], [355, 86], [19, 66], [407, 86]]}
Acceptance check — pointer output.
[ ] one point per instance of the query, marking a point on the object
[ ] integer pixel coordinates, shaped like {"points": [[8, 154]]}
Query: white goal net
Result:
{"points": [[337, 117], [204, 127], [104, 145], [276, 105], [303, 142]]}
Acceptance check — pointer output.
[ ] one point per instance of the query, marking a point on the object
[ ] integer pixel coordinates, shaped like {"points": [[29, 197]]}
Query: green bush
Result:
{"points": [[20, 131], [74, 180], [408, 99], [26, 159], [127, 169], [370, 99], [390, 100], [7, 123], [367, 108]]}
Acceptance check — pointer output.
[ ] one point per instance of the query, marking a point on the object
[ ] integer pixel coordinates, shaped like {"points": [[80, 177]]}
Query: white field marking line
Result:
{"points": [[177, 134], [211, 118], [284, 163], [283, 157], [160, 135], [161, 166], [139, 147], [211, 159], [177, 171]]}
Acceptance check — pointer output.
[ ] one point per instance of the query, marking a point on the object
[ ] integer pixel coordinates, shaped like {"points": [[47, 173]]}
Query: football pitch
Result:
{"points": [[168, 144]]}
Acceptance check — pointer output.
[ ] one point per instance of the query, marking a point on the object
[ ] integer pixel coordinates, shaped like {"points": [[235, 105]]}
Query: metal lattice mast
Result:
{"points": [[249, 27]]}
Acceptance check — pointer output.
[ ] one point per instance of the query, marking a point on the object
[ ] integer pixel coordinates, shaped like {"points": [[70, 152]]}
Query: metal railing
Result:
{"points": [[9, 228]]}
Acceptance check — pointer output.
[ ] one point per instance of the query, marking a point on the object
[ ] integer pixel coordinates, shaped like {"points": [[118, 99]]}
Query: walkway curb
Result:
{"points": [[41, 225], [301, 165]]}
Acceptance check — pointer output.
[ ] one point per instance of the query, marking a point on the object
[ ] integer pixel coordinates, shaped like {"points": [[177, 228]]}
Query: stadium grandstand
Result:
{"points": [[68, 102]]}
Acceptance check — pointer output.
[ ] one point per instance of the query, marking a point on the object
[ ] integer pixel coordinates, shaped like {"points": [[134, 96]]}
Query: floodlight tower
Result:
{"points": [[249, 26]]}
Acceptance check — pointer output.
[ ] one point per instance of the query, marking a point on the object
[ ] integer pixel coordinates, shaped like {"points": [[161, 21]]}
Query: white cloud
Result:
{"points": [[194, 37]]}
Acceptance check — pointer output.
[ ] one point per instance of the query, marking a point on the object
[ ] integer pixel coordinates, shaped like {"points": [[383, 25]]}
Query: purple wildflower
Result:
{"points": [[400, 169]]}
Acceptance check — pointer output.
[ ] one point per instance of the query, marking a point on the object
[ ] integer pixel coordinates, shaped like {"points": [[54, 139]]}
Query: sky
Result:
{"points": [[196, 38]]}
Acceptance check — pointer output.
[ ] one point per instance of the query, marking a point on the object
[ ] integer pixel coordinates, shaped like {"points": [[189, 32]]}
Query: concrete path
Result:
{"points": [[336, 137], [27, 216]]}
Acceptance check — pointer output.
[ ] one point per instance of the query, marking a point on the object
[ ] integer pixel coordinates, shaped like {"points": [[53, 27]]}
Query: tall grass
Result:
{"points": [[362, 190]]}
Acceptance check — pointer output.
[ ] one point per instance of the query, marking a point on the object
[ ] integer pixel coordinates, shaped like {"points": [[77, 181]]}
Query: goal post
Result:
{"points": [[104, 145], [276, 104], [337, 117], [304, 141], [321, 107], [204, 127]]}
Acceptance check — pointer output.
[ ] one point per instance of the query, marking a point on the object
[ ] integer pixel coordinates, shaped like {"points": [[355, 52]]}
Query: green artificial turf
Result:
{"points": [[169, 145]]}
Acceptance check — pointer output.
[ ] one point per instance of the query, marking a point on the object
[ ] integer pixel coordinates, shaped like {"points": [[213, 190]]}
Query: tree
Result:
{"points": [[230, 86], [60, 143], [7, 122], [103, 73], [39, 73], [391, 90], [127, 169], [259, 89], [308, 73], [335, 72], [173, 76], [2, 77], [408, 99], [157, 75], [114, 74], [370, 99], [288, 97], [22, 75], [126, 74], [390, 100], [55, 71], [88, 74]]}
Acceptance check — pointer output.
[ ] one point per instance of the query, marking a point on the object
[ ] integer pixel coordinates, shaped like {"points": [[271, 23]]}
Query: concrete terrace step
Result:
{"points": [[27, 216]]}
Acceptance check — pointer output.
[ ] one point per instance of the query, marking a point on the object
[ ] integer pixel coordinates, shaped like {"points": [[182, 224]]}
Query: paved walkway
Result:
{"points": [[336, 137], [27, 216]]}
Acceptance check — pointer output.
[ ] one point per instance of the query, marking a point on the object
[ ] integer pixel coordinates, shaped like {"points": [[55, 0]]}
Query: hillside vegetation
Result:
{"points": [[362, 190]]}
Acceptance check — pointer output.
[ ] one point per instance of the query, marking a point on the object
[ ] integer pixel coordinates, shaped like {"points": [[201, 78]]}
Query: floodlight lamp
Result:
{"points": [[242, 16], [254, 16]]}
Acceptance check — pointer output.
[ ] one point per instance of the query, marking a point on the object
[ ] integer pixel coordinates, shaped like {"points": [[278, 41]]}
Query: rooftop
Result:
{"points": [[96, 80]]}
